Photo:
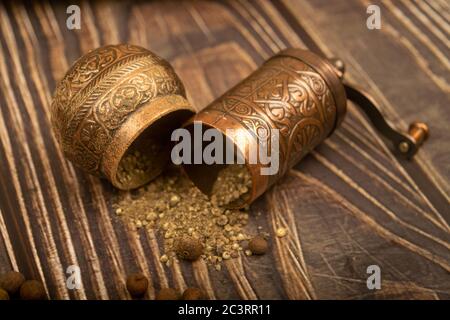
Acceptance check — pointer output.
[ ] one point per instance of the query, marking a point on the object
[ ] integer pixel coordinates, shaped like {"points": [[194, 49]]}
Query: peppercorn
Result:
{"points": [[189, 248], [137, 285], [167, 294], [4, 294], [193, 294], [32, 290], [11, 281], [281, 232], [258, 245]]}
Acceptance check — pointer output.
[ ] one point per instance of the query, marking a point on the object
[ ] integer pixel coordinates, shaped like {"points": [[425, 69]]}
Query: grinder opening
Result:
{"points": [[149, 152], [226, 183]]}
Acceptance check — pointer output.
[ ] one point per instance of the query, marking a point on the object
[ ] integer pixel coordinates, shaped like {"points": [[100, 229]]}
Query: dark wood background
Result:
{"points": [[348, 205]]}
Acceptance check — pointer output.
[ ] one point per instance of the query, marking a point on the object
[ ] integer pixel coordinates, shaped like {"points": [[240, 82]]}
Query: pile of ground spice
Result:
{"points": [[232, 183], [174, 206], [133, 165], [136, 167]]}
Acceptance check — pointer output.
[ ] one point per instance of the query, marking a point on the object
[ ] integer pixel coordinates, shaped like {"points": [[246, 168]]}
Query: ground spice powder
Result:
{"points": [[174, 206]]}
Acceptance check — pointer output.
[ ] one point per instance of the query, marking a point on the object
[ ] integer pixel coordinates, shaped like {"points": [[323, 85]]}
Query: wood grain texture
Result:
{"points": [[348, 205]]}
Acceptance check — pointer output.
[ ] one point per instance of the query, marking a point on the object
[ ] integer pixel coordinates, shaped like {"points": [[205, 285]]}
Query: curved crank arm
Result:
{"points": [[405, 144]]}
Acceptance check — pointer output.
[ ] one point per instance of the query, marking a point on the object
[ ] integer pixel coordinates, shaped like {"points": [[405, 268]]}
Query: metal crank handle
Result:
{"points": [[405, 144]]}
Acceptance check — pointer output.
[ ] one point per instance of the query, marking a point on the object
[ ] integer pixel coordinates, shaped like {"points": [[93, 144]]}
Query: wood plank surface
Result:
{"points": [[348, 205]]}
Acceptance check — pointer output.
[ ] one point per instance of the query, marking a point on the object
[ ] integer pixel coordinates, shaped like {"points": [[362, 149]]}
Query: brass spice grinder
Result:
{"points": [[123, 100], [304, 97], [117, 102]]}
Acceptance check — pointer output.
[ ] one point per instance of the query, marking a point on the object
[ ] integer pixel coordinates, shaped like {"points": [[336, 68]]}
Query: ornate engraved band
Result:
{"points": [[287, 94], [98, 94]]}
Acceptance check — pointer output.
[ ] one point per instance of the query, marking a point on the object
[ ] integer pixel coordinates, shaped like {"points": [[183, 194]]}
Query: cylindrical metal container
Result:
{"points": [[114, 110], [296, 92]]}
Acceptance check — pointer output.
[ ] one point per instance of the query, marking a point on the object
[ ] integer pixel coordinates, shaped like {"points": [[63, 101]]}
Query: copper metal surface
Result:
{"points": [[115, 97], [419, 132], [296, 92], [107, 99]]}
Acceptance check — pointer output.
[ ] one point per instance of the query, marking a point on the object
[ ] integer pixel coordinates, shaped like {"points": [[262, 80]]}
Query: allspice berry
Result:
{"points": [[167, 294], [11, 281], [258, 245], [193, 294], [189, 248], [4, 294], [32, 290], [137, 285]]}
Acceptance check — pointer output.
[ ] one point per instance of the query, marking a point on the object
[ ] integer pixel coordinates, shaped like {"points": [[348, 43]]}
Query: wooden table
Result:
{"points": [[348, 205]]}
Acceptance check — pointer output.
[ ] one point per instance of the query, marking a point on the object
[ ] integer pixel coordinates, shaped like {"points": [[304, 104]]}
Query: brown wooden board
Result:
{"points": [[348, 205]]}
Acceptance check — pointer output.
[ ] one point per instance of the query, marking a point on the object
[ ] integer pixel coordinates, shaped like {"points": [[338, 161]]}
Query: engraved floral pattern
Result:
{"points": [[288, 95], [99, 92]]}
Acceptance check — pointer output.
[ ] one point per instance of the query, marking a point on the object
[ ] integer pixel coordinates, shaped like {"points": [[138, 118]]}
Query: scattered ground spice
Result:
{"points": [[181, 212], [167, 294], [134, 166], [11, 281], [193, 294], [137, 284], [232, 183], [32, 290]]}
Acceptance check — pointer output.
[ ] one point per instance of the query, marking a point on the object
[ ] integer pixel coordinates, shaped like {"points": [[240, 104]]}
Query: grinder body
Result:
{"points": [[296, 93]]}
